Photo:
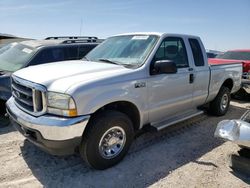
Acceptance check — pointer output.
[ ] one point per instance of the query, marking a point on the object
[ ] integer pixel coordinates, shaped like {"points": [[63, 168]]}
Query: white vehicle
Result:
{"points": [[128, 82]]}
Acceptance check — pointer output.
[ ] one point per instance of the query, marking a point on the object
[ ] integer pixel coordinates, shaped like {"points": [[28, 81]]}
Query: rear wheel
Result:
{"points": [[107, 139], [219, 106]]}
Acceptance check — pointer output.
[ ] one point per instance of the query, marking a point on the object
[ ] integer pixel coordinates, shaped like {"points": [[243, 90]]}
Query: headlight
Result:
{"points": [[61, 104]]}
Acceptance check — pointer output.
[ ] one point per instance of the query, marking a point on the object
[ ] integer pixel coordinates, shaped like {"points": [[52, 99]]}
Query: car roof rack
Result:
{"points": [[70, 37], [82, 41], [75, 39]]}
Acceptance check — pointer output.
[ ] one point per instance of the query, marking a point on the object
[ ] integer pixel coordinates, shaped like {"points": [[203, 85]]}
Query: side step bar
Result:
{"points": [[171, 121]]}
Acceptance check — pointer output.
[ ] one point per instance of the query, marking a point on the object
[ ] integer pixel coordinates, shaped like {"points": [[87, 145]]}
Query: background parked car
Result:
{"points": [[8, 38], [18, 55], [213, 53], [235, 56], [237, 131]]}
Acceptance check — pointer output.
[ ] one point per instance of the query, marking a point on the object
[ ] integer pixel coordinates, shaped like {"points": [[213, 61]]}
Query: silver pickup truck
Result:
{"points": [[96, 105]]}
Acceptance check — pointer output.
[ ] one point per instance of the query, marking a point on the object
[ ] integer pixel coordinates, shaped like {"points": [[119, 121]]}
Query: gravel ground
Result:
{"points": [[184, 155]]}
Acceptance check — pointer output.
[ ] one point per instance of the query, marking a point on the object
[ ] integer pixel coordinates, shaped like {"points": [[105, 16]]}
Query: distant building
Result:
{"points": [[7, 38]]}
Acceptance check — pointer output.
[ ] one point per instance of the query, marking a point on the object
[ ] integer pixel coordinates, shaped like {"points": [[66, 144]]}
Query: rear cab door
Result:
{"points": [[200, 73]]}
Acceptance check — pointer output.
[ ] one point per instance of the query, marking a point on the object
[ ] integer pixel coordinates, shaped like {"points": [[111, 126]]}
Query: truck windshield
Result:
{"points": [[130, 50], [14, 56], [237, 55]]}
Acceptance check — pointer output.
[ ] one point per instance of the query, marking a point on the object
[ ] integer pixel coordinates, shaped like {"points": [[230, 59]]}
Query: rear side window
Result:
{"points": [[197, 52], [48, 55], [71, 52], [173, 48], [83, 50]]}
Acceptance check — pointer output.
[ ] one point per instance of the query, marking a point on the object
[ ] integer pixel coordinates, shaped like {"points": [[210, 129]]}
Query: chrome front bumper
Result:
{"points": [[237, 131], [50, 127]]}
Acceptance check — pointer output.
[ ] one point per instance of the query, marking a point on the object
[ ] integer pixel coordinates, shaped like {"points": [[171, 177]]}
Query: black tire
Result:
{"points": [[216, 106], [97, 128]]}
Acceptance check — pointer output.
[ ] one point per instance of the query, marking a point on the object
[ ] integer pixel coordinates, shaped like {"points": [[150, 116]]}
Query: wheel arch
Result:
{"points": [[126, 107], [228, 83]]}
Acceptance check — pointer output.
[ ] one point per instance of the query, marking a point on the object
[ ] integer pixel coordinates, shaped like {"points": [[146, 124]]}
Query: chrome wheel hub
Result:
{"points": [[224, 102], [112, 142]]}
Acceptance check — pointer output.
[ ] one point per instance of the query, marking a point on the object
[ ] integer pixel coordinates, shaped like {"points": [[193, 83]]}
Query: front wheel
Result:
{"points": [[107, 139], [219, 106]]}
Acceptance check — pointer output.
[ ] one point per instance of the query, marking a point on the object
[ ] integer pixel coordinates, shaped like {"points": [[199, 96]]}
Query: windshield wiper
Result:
{"points": [[108, 61], [122, 64], [129, 65]]}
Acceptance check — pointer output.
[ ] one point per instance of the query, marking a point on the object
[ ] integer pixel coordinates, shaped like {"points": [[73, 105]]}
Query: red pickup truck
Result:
{"points": [[236, 56]]}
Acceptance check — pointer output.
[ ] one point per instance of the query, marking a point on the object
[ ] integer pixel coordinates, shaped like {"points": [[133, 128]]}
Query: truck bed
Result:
{"points": [[219, 73]]}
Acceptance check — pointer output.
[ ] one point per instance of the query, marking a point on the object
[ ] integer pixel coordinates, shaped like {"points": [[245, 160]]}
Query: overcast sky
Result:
{"points": [[222, 24]]}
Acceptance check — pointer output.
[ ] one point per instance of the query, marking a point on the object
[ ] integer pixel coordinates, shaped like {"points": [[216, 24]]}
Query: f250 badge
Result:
{"points": [[140, 84]]}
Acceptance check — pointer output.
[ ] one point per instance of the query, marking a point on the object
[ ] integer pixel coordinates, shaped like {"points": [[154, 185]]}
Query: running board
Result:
{"points": [[175, 120]]}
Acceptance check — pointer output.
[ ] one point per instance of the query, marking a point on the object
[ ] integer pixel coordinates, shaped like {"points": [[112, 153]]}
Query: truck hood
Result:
{"points": [[61, 75]]}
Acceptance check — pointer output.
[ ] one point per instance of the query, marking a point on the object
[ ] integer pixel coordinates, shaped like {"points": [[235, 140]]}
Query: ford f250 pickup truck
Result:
{"points": [[96, 105]]}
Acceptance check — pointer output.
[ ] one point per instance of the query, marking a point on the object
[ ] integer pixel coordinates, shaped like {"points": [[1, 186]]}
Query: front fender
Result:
{"points": [[92, 99]]}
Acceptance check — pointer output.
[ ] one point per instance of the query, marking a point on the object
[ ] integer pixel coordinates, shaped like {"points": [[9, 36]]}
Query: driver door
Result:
{"points": [[170, 94]]}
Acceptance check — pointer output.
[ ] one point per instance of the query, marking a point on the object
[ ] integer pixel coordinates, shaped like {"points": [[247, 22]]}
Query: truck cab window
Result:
{"points": [[173, 48], [72, 52], [197, 53]]}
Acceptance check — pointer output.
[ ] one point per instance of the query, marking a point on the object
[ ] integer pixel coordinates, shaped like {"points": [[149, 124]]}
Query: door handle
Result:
{"points": [[191, 78]]}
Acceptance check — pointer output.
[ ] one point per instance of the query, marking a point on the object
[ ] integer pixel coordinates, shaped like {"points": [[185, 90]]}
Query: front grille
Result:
{"points": [[29, 96]]}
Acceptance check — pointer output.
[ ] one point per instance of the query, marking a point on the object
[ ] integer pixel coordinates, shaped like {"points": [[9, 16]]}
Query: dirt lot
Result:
{"points": [[184, 155]]}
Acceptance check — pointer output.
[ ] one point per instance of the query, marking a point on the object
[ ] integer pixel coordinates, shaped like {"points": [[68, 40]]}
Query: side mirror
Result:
{"points": [[164, 66]]}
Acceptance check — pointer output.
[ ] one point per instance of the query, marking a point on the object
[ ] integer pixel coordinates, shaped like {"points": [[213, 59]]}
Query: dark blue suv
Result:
{"points": [[18, 55]]}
